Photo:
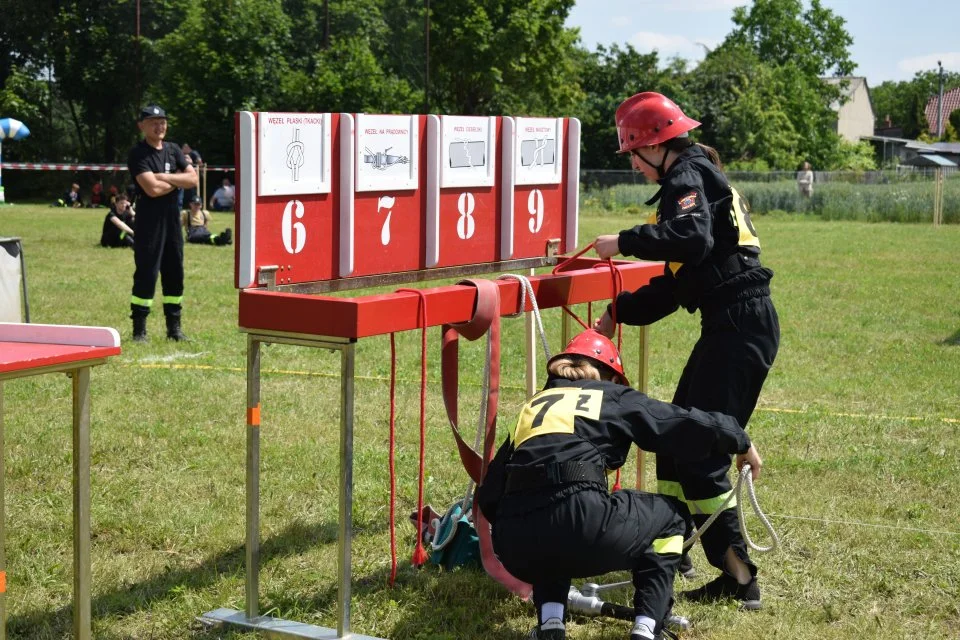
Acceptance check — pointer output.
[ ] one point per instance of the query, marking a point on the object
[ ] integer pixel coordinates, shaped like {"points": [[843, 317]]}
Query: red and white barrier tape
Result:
{"points": [[43, 166]]}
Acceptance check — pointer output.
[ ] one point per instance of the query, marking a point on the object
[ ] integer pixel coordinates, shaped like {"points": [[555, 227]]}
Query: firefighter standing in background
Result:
{"points": [[545, 491], [704, 234], [159, 169]]}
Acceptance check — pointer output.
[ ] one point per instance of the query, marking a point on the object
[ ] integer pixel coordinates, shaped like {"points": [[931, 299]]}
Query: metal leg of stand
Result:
{"points": [[81, 504], [643, 384], [3, 517], [347, 358], [253, 478], [250, 619]]}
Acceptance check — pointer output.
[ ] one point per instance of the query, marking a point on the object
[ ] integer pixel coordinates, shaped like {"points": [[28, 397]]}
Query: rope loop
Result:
{"points": [[743, 479]]}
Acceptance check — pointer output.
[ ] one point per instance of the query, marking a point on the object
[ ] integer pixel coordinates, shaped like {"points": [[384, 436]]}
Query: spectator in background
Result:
{"points": [[131, 190], [118, 224], [222, 199], [805, 180], [195, 222], [96, 195], [193, 157], [192, 153], [112, 193], [71, 198]]}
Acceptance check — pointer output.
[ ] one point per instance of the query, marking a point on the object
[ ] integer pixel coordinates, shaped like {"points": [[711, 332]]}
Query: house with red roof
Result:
{"points": [[951, 102]]}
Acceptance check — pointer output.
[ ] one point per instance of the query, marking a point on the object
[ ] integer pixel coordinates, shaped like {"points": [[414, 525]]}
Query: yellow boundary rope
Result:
{"points": [[322, 374]]}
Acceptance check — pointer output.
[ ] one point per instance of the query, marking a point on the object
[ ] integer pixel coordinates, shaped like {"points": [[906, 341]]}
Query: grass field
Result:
{"points": [[859, 426]]}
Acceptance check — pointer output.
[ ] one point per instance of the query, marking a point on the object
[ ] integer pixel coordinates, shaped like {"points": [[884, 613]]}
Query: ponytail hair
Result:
{"points": [[712, 155], [572, 367], [683, 142]]}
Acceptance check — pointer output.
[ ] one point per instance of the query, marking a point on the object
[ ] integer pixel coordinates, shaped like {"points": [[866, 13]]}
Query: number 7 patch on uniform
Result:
{"points": [[554, 411]]}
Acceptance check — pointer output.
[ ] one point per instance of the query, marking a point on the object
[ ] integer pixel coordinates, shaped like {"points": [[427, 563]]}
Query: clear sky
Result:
{"points": [[892, 39]]}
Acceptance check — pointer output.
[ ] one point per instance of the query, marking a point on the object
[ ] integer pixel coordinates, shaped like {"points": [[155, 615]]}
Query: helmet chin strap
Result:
{"points": [[658, 168]]}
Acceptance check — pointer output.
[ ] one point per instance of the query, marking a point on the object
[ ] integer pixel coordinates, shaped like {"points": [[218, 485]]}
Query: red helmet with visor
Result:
{"points": [[596, 346], [650, 118]]}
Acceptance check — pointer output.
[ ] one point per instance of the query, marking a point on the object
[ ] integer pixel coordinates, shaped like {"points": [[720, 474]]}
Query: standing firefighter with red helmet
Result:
{"points": [[704, 235], [545, 492]]}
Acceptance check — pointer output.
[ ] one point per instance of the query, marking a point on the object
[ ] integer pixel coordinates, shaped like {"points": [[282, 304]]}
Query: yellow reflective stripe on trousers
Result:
{"points": [[701, 507], [663, 546], [141, 302], [708, 506], [172, 299], [670, 488]]}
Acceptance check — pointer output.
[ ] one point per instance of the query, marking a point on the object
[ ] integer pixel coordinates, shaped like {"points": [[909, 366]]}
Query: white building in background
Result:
{"points": [[855, 117]]}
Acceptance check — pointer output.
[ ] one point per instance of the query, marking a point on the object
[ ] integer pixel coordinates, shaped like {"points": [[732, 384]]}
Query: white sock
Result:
{"points": [[551, 610], [643, 621]]}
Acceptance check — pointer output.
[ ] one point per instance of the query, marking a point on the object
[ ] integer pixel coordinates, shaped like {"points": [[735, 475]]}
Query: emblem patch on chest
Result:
{"points": [[688, 201]]}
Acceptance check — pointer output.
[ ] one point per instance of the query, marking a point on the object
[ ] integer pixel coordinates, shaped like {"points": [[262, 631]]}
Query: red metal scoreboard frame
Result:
{"points": [[466, 195]]}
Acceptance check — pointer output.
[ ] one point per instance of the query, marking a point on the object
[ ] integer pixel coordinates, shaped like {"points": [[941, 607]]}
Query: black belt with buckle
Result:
{"points": [[553, 474]]}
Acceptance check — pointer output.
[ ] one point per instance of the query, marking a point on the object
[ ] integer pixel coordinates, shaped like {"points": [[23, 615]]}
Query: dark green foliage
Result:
{"points": [[77, 72]]}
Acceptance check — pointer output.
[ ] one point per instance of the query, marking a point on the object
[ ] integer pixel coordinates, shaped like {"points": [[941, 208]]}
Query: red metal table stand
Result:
{"points": [[32, 349]]}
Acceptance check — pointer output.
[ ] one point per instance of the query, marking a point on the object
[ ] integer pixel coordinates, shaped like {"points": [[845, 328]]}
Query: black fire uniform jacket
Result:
{"points": [[706, 238], [545, 491]]}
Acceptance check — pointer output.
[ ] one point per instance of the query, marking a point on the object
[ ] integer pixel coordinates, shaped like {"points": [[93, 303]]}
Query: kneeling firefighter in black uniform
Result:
{"points": [[704, 234], [545, 492]]}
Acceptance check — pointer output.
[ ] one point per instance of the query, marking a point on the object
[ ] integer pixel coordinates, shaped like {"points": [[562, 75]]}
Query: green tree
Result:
{"points": [[24, 97], [610, 76], [511, 57], [762, 92], [781, 33], [742, 104], [226, 56]]}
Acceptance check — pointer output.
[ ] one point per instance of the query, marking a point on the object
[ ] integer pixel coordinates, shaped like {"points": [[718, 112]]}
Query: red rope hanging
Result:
{"points": [[419, 553]]}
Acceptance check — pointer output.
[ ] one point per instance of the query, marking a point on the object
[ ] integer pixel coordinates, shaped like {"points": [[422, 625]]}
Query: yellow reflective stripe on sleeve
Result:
{"points": [[708, 506], [663, 546], [172, 299], [141, 302]]}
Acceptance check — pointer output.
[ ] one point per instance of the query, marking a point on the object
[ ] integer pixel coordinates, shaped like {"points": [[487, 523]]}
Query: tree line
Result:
{"points": [[77, 73]]}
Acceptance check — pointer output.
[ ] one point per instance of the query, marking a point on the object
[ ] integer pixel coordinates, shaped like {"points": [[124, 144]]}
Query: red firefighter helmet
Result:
{"points": [[596, 346], [650, 118]]}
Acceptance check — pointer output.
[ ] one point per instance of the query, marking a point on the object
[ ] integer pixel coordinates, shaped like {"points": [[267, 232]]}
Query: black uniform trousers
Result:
{"points": [[158, 249], [585, 532], [725, 372]]}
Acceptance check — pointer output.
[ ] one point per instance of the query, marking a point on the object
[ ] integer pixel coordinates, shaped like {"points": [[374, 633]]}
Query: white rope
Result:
{"points": [[525, 287], [743, 478]]}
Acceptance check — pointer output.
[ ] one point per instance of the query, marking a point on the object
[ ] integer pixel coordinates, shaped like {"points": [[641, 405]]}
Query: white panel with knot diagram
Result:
{"points": [[294, 153]]}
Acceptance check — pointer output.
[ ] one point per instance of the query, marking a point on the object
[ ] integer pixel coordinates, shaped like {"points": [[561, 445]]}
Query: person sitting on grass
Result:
{"points": [[118, 224], [195, 222], [71, 198]]}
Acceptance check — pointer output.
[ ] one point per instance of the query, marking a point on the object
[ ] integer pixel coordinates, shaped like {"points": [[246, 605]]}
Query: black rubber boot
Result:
{"points": [[139, 329], [173, 330], [223, 238]]}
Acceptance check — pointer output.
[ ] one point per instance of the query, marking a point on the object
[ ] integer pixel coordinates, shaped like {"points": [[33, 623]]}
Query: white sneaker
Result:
{"points": [[552, 629], [641, 631]]}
